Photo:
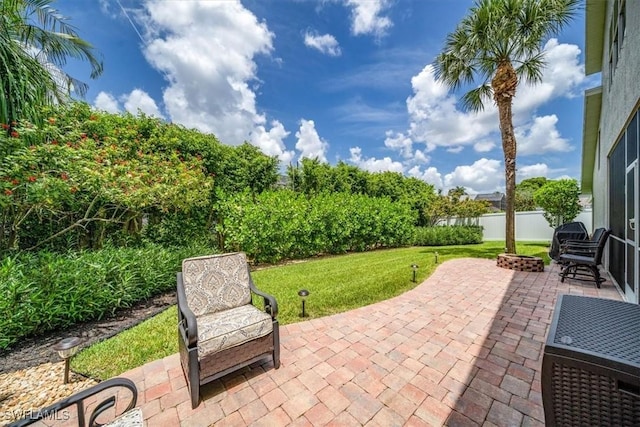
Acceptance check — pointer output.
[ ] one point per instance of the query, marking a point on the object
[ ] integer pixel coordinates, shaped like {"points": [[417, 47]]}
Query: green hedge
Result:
{"points": [[448, 235], [45, 291], [277, 225]]}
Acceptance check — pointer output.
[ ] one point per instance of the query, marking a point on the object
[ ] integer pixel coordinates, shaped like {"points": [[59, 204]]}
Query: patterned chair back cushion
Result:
{"points": [[216, 282]]}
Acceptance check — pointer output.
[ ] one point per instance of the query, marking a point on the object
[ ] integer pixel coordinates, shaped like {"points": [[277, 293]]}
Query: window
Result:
{"points": [[617, 26]]}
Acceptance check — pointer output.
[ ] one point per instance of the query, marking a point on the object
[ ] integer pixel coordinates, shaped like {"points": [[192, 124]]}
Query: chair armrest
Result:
{"points": [[187, 323], [576, 241], [270, 303], [78, 399], [581, 246]]}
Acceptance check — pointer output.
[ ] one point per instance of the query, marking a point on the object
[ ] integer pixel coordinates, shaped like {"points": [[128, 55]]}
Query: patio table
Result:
{"points": [[591, 363]]}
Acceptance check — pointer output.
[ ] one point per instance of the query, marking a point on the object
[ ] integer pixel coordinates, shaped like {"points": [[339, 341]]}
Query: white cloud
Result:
{"points": [[563, 76], [483, 176], [484, 146], [455, 150], [430, 176], [531, 171], [106, 102], [326, 43], [140, 100], [366, 17], [541, 137], [206, 52], [271, 141], [436, 120], [309, 142], [420, 157], [372, 164], [399, 142]]}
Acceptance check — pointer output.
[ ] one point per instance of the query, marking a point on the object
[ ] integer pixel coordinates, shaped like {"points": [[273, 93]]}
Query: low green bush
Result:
{"points": [[448, 235], [44, 291]]}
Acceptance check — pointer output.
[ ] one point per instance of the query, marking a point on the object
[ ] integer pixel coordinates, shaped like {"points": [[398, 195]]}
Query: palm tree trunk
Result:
{"points": [[504, 89]]}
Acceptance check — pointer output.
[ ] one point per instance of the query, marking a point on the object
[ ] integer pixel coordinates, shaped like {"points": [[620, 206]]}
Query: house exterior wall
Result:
{"points": [[620, 96]]}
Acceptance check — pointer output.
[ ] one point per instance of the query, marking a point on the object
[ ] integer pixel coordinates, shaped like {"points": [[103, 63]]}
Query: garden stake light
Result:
{"points": [[415, 269], [303, 294], [66, 348]]}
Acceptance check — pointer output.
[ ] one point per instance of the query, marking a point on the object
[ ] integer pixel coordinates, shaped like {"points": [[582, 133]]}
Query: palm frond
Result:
{"points": [[498, 31], [35, 42], [475, 98], [530, 70]]}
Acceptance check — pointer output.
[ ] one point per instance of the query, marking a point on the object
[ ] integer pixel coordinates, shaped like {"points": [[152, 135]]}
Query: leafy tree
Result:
{"points": [[35, 42], [500, 43], [559, 199], [350, 178], [532, 184], [445, 207], [524, 201], [456, 193], [524, 193]]}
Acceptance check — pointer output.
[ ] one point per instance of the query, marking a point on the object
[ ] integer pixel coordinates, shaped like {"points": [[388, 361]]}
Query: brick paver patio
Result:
{"points": [[462, 349]]}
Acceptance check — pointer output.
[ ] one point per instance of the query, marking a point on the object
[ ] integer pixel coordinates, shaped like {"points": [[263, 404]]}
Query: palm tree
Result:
{"points": [[500, 43], [35, 42]]}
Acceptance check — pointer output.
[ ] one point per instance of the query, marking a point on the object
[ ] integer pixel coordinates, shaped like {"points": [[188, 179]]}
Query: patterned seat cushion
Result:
{"points": [[226, 329], [216, 283]]}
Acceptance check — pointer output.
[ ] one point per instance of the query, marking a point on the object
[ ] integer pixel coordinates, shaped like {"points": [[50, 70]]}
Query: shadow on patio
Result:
{"points": [[462, 348]]}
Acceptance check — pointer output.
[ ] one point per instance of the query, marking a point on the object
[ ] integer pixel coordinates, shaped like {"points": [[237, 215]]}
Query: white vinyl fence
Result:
{"points": [[530, 225]]}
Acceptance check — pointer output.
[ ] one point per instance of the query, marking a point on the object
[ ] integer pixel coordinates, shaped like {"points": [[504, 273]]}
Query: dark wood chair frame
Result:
{"points": [[582, 258], [199, 372]]}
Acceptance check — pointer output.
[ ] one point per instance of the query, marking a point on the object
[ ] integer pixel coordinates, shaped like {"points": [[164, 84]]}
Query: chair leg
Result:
{"points": [[194, 378], [276, 346], [564, 272], [596, 274]]}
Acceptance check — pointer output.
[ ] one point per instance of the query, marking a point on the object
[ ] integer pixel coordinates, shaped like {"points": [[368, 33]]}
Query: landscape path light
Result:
{"points": [[303, 294], [415, 270], [66, 348]]}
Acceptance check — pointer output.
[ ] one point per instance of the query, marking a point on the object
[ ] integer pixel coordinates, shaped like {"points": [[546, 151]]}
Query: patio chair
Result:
{"points": [[576, 245], [582, 259], [104, 400], [220, 331]]}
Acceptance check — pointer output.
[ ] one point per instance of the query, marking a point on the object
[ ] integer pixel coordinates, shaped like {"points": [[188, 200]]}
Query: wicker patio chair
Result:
{"points": [[582, 259], [220, 331]]}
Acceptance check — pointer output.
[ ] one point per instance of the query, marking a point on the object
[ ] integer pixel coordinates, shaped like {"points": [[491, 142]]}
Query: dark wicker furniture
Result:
{"points": [[591, 363], [220, 331], [100, 399], [582, 259]]}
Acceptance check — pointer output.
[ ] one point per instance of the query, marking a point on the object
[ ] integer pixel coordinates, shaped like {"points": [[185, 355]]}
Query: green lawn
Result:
{"points": [[335, 284]]}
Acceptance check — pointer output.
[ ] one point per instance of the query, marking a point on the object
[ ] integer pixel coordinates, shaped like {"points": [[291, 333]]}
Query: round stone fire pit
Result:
{"points": [[521, 262]]}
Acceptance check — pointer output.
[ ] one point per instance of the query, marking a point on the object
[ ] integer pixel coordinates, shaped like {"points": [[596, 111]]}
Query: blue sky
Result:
{"points": [[346, 80]]}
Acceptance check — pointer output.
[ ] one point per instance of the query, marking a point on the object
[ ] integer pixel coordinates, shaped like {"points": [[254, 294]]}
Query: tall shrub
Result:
{"points": [[559, 199]]}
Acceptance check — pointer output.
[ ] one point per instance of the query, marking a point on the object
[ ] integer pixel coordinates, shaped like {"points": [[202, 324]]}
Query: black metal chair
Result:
{"points": [[575, 245], [220, 330], [582, 258], [107, 392]]}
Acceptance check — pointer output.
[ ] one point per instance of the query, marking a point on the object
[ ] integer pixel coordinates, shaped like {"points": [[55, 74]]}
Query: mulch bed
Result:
{"points": [[37, 350]]}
